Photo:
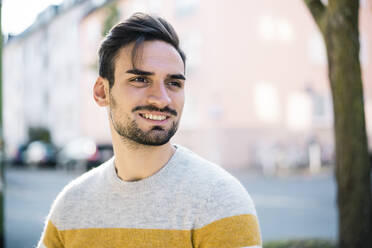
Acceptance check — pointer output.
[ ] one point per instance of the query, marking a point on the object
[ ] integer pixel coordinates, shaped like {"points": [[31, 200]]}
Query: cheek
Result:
{"points": [[128, 98], [134, 96], [179, 100]]}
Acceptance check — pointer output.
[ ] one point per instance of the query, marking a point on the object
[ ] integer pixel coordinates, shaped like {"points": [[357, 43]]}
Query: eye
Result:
{"points": [[175, 84], [139, 81]]}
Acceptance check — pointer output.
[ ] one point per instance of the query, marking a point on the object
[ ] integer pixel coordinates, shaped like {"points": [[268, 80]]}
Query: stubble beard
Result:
{"points": [[130, 132]]}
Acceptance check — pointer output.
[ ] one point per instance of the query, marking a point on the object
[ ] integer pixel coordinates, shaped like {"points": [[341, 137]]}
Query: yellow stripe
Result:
{"points": [[52, 237], [236, 231], [116, 238], [125, 237]]}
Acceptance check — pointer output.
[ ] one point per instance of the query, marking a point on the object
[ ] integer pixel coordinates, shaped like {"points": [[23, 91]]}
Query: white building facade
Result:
{"points": [[256, 77]]}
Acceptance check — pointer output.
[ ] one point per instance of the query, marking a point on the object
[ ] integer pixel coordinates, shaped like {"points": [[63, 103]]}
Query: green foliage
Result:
{"points": [[311, 243], [112, 17], [39, 133]]}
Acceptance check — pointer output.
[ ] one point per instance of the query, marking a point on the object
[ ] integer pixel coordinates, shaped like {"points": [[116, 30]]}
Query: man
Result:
{"points": [[152, 193]]}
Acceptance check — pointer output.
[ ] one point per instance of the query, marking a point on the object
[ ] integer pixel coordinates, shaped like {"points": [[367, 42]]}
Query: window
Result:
{"points": [[192, 44], [186, 7], [299, 109], [363, 53], [274, 28], [266, 102], [316, 50]]}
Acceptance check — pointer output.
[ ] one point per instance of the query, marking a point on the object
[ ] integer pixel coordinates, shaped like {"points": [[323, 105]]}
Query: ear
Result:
{"points": [[101, 92]]}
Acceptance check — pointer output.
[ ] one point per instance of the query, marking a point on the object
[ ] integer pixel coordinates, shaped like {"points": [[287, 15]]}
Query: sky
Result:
{"points": [[17, 15]]}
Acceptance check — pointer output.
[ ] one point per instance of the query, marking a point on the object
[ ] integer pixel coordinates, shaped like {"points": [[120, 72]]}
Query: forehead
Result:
{"points": [[153, 56]]}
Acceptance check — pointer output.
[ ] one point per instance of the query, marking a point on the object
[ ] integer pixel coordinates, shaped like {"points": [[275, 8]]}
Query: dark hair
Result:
{"points": [[138, 28]]}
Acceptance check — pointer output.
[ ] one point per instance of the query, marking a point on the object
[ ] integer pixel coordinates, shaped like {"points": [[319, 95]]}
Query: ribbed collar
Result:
{"points": [[156, 181]]}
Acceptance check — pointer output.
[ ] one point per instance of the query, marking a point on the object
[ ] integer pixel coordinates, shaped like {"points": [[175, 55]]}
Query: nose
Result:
{"points": [[158, 95]]}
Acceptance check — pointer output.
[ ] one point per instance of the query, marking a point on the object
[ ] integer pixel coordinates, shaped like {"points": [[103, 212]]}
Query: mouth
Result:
{"points": [[158, 117]]}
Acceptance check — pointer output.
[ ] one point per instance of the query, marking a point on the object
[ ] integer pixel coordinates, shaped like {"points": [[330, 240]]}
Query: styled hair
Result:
{"points": [[138, 28]]}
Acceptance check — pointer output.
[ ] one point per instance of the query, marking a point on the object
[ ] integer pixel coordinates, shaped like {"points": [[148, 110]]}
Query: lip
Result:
{"points": [[155, 122], [154, 113]]}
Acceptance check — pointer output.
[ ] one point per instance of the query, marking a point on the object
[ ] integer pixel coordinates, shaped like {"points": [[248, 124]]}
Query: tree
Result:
{"points": [[112, 17], [338, 23], [39, 133]]}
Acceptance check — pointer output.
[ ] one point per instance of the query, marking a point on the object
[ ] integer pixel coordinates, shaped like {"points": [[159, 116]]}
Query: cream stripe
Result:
{"points": [[41, 245]]}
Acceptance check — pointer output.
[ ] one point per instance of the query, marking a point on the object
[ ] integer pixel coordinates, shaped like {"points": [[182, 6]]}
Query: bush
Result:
{"points": [[311, 243]]}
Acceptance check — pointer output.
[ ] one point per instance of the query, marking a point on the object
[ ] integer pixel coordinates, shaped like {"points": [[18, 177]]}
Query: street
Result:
{"points": [[300, 206], [294, 207]]}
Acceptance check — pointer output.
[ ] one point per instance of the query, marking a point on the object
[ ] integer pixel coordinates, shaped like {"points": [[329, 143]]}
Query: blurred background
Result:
{"points": [[258, 103]]}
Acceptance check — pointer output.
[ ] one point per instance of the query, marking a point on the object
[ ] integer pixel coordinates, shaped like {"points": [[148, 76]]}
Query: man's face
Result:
{"points": [[146, 102]]}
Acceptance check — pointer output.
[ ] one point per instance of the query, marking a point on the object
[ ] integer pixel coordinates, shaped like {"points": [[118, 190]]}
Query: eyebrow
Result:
{"points": [[176, 76], [147, 73], [140, 72]]}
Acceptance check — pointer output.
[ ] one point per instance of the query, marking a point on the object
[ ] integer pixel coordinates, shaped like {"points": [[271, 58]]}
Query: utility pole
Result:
{"points": [[2, 159]]}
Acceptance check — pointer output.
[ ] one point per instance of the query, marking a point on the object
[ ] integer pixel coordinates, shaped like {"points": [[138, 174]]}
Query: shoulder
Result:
{"points": [[88, 180], [200, 167], [206, 172], [226, 213], [77, 190], [221, 190]]}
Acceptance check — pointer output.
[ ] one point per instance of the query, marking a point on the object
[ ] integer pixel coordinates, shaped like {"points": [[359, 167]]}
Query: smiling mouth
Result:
{"points": [[154, 117]]}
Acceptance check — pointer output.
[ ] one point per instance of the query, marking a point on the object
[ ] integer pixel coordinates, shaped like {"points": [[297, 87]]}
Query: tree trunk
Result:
{"points": [[338, 23]]}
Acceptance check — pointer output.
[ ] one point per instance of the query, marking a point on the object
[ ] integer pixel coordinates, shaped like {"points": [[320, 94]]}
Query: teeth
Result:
{"points": [[155, 117]]}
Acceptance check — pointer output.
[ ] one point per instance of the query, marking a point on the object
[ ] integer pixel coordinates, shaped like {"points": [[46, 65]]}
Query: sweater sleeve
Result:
{"points": [[229, 218], [51, 236]]}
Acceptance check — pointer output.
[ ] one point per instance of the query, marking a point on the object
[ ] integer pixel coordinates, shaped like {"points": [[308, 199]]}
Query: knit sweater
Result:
{"points": [[190, 202]]}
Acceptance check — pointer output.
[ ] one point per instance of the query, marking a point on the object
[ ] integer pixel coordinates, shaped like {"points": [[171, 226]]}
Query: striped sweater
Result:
{"points": [[190, 202]]}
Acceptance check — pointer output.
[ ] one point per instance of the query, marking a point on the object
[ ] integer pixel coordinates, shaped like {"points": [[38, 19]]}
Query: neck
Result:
{"points": [[136, 162]]}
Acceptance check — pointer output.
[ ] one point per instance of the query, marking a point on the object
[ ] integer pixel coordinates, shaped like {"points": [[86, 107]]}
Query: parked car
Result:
{"points": [[19, 156], [103, 153], [83, 154], [41, 154]]}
